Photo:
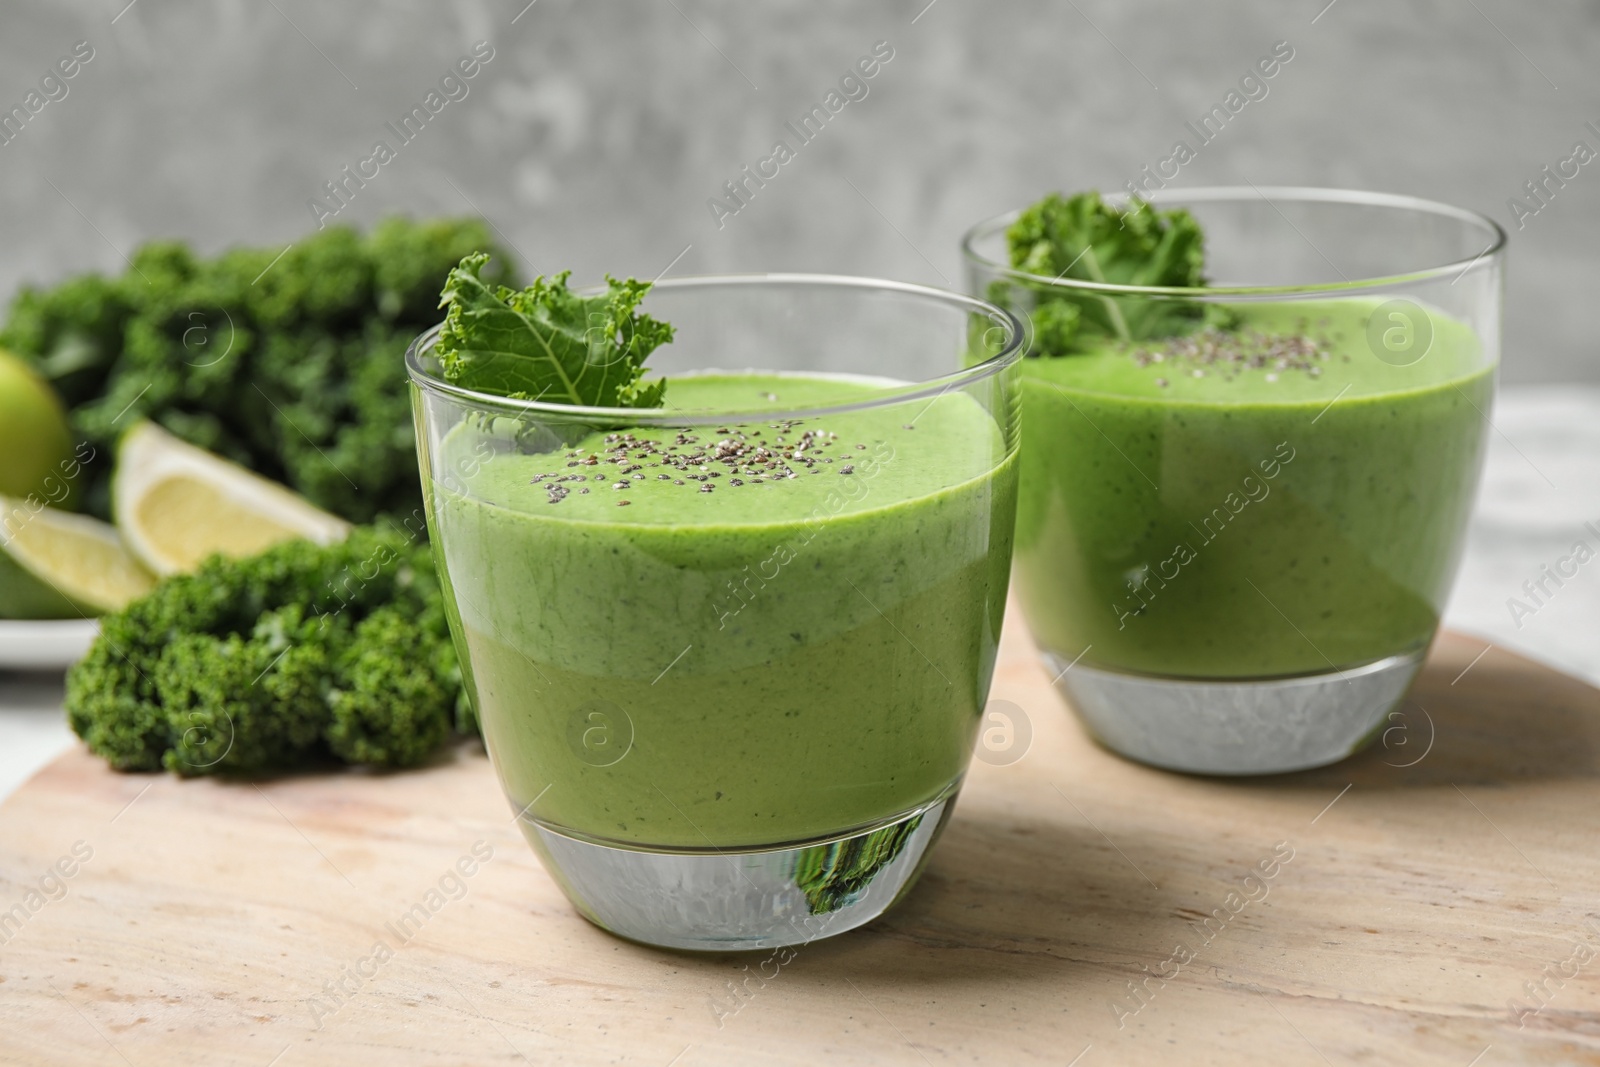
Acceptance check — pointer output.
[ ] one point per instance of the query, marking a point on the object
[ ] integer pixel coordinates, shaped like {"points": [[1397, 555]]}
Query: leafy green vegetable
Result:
{"points": [[548, 343], [288, 361], [298, 655], [1084, 238]]}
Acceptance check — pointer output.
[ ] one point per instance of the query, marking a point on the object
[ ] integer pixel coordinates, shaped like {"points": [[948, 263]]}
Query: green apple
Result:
{"points": [[36, 457]]}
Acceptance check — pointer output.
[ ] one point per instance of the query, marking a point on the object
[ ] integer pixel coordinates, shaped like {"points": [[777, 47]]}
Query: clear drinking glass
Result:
{"points": [[1239, 517], [730, 655]]}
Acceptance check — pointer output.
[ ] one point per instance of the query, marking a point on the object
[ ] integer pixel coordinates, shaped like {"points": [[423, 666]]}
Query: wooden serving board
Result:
{"points": [[1431, 878]]}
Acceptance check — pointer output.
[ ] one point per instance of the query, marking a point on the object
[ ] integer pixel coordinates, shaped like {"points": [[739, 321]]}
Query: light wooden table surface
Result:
{"points": [[1407, 905]]}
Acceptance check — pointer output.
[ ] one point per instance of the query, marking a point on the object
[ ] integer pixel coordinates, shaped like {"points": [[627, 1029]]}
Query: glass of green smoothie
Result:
{"points": [[730, 653], [1253, 425]]}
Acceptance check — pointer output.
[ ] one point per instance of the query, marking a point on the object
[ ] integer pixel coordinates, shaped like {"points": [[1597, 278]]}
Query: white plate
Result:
{"points": [[45, 645]]}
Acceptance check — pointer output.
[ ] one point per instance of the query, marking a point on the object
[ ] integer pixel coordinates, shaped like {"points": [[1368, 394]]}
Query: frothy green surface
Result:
{"points": [[1248, 521], [767, 662], [743, 475]]}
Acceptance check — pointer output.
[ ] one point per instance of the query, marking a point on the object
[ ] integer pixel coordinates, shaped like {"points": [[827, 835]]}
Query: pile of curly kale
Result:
{"points": [[287, 361], [305, 654]]}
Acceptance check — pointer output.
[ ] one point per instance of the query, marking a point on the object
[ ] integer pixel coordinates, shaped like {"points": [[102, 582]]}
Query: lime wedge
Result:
{"points": [[177, 504], [57, 565]]}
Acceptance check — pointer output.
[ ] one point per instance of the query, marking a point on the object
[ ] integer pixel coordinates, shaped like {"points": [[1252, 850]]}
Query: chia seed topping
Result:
{"points": [[745, 456], [1229, 353]]}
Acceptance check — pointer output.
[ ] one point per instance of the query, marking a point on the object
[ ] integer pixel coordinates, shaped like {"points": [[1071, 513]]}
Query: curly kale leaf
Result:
{"points": [[387, 702], [285, 360], [548, 343], [72, 332], [244, 703], [1084, 238], [302, 655]]}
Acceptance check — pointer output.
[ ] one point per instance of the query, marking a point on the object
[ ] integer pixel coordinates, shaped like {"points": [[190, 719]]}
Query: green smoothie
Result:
{"points": [[1271, 501], [731, 635]]}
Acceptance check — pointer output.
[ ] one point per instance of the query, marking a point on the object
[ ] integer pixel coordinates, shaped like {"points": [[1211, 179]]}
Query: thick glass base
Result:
{"points": [[1264, 726], [737, 899]]}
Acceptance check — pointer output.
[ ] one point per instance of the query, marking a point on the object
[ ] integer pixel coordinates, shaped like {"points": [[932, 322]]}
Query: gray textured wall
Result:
{"points": [[598, 131]]}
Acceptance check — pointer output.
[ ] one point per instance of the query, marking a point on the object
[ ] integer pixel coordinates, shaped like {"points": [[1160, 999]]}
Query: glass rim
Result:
{"points": [[1494, 234], [1010, 353]]}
